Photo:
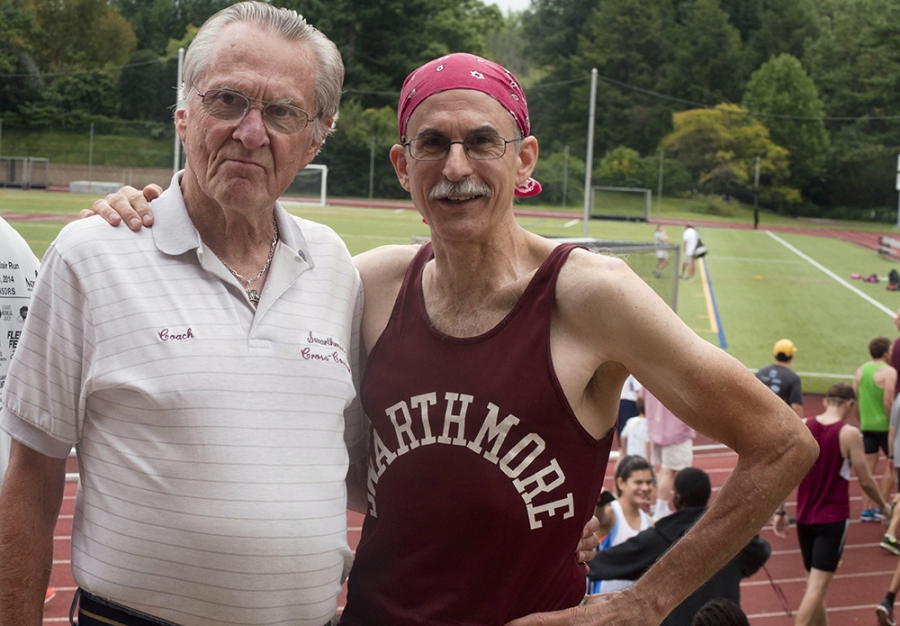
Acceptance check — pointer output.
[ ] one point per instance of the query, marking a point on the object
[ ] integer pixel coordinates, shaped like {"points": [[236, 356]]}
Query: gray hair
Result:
{"points": [[288, 24]]}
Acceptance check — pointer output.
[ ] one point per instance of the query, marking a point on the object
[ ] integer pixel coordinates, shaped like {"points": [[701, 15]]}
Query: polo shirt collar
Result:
{"points": [[175, 234]]}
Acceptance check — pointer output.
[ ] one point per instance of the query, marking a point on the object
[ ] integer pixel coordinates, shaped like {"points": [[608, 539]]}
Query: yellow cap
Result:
{"points": [[786, 346]]}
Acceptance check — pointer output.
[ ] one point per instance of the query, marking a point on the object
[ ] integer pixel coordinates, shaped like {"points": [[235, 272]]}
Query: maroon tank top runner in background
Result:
{"points": [[823, 496], [480, 476]]}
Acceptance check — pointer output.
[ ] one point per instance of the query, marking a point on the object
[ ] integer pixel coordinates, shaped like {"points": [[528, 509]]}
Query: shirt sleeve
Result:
{"points": [[356, 431]]}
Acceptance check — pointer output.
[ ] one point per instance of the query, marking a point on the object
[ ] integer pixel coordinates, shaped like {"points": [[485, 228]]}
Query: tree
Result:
{"points": [[87, 92], [382, 42], [556, 175], [147, 87], [855, 63], [745, 15], [785, 28], [720, 146], [621, 167], [708, 63], [782, 95], [347, 152], [17, 26], [627, 42], [552, 28], [156, 22], [80, 34]]}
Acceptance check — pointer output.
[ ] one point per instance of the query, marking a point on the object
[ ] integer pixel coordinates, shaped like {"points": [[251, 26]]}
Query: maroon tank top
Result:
{"points": [[480, 476], [823, 496]]}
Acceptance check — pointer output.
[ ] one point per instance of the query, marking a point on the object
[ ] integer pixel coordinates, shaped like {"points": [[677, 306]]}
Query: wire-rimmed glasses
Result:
{"points": [[230, 105], [477, 147]]}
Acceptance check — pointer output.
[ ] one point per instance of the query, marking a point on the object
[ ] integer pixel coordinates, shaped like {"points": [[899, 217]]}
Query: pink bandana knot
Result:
{"points": [[467, 71]]}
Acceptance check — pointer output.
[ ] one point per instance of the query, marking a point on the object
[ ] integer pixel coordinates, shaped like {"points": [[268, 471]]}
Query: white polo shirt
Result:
{"points": [[211, 436]]}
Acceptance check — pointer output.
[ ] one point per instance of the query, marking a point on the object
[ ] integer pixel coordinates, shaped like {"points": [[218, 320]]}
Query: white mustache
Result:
{"points": [[467, 187]]}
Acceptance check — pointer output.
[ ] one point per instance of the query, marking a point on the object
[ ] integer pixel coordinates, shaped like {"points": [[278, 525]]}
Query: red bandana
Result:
{"points": [[467, 71]]}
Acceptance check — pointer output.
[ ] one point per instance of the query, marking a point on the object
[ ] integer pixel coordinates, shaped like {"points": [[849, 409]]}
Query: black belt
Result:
{"points": [[94, 611]]}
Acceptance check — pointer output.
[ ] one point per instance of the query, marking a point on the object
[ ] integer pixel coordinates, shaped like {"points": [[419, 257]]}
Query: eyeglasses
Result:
{"points": [[225, 104], [477, 147]]}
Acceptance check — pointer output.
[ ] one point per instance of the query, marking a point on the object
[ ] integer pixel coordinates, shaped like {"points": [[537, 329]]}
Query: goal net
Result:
{"points": [[621, 203], [24, 172], [643, 258], [310, 186]]}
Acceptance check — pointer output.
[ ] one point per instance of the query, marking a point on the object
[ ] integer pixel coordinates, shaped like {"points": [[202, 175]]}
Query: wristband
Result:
{"points": [[781, 513]]}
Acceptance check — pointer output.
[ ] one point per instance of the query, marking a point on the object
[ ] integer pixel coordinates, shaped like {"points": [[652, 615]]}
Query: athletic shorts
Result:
{"points": [[662, 254], [675, 457], [875, 439], [822, 544]]}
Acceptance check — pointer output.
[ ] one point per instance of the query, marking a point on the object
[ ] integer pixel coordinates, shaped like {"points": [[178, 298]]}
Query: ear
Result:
{"points": [[528, 156], [398, 159], [181, 122], [314, 146]]}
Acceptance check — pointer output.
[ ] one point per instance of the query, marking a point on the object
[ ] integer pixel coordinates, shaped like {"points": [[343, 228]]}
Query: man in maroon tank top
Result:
{"points": [[823, 499], [496, 360], [514, 350]]}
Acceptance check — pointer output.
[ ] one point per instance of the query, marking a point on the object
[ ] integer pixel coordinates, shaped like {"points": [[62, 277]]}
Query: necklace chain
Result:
{"points": [[253, 294]]}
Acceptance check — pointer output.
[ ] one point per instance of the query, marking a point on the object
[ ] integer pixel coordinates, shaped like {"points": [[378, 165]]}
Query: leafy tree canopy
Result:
{"points": [[782, 89], [719, 147]]}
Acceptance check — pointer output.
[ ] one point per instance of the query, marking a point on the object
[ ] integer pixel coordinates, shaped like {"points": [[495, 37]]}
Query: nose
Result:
{"points": [[251, 130], [456, 164]]}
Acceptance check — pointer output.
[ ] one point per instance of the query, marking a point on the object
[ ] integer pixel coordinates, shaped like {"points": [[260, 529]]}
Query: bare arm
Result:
{"points": [[890, 383], [29, 505], [798, 409], [625, 323], [852, 448], [127, 204]]}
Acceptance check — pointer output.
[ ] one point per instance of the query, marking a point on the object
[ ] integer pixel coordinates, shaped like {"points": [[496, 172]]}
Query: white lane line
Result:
{"points": [[827, 271]]}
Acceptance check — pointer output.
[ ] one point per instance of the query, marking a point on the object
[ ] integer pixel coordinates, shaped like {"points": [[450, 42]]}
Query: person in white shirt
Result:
{"points": [[690, 238]]}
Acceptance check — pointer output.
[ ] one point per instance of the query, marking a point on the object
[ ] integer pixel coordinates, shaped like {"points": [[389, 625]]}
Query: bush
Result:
{"points": [[554, 176], [716, 205]]}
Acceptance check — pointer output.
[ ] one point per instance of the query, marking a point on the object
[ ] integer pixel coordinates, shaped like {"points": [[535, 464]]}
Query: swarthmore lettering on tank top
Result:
{"points": [[480, 476], [529, 478]]}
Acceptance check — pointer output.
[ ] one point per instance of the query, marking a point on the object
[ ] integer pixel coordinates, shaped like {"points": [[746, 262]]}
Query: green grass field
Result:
{"points": [[764, 290]]}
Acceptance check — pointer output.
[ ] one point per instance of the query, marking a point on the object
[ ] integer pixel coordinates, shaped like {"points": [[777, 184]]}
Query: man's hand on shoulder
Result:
{"points": [[129, 204]]}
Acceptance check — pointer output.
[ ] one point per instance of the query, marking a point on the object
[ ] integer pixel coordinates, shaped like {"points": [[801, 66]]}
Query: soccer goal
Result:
{"points": [[310, 186], [24, 172], [643, 258], [621, 203]]}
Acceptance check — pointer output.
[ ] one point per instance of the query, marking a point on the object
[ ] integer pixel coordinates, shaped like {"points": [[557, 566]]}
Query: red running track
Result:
{"points": [[859, 583]]}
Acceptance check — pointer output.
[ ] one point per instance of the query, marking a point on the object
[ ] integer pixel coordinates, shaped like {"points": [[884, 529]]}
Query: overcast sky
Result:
{"points": [[510, 5]]}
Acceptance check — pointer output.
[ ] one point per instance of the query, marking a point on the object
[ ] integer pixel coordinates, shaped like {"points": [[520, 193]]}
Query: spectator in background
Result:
{"points": [[690, 238], [780, 378], [720, 612], [630, 559], [627, 403], [874, 385], [634, 440], [624, 517], [671, 448], [823, 499], [660, 238], [18, 273]]}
